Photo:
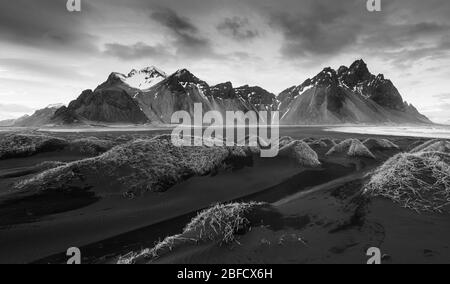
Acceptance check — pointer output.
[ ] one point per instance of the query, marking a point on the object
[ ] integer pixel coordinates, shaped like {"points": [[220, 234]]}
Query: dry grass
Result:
{"points": [[283, 141], [23, 145], [419, 181], [218, 224], [301, 152], [91, 146], [138, 167], [352, 148], [329, 142], [435, 145], [380, 144]]}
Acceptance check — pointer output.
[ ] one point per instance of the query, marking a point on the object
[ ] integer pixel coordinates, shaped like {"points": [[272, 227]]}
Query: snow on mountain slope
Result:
{"points": [[142, 79]]}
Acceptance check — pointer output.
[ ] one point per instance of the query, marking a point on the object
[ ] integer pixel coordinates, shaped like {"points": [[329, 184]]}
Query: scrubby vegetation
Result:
{"points": [[435, 145], [318, 143], [380, 144], [284, 141], [301, 152], [418, 181], [137, 167], [321, 143], [352, 148], [23, 145], [329, 142], [90, 146], [220, 224]]}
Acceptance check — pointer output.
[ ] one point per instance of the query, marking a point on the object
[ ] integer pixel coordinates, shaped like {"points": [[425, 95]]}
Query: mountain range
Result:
{"points": [[346, 95], [157, 97], [38, 118]]}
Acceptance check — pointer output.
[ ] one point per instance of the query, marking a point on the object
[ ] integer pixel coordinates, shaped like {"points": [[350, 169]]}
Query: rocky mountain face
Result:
{"points": [[38, 118], [178, 92], [101, 105], [182, 90], [348, 95], [154, 97]]}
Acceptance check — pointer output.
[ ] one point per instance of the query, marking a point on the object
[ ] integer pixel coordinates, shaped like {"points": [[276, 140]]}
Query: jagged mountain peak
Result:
{"points": [[137, 79], [185, 76], [359, 65], [151, 70], [349, 95], [356, 74], [223, 90], [327, 77]]}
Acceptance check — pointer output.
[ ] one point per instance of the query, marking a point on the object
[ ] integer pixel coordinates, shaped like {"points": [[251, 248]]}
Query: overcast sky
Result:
{"points": [[48, 55]]}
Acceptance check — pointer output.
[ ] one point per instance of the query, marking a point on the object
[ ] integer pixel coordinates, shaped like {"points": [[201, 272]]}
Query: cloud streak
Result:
{"points": [[237, 28]]}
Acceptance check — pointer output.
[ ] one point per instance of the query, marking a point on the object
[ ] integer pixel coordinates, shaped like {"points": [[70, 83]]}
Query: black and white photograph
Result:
{"points": [[209, 134]]}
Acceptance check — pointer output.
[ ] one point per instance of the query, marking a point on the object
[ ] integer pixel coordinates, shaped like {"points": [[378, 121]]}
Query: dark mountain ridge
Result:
{"points": [[348, 95]]}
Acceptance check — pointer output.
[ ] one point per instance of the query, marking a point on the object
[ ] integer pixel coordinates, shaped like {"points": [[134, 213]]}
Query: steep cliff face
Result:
{"points": [[178, 92], [245, 98], [348, 95], [112, 106]]}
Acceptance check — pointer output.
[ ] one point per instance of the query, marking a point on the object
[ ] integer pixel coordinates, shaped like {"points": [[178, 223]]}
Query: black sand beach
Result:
{"points": [[321, 216]]}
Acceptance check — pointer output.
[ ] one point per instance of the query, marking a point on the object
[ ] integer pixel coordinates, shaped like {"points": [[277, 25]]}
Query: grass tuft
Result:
{"points": [[220, 224], [139, 166], [380, 144], [301, 152], [353, 148], [90, 146], [417, 181], [435, 145], [24, 145]]}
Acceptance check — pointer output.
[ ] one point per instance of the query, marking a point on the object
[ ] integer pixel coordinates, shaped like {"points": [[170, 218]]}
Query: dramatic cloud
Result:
{"points": [[46, 24], [186, 37], [317, 28], [237, 28], [49, 55]]}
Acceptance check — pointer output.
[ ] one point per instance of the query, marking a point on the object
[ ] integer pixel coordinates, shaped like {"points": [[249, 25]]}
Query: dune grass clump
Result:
{"points": [[321, 143], [380, 144], [301, 152], [318, 143], [417, 181], [283, 141], [90, 146], [352, 148], [219, 224], [23, 145], [435, 145], [329, 142], [137, 167]]}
